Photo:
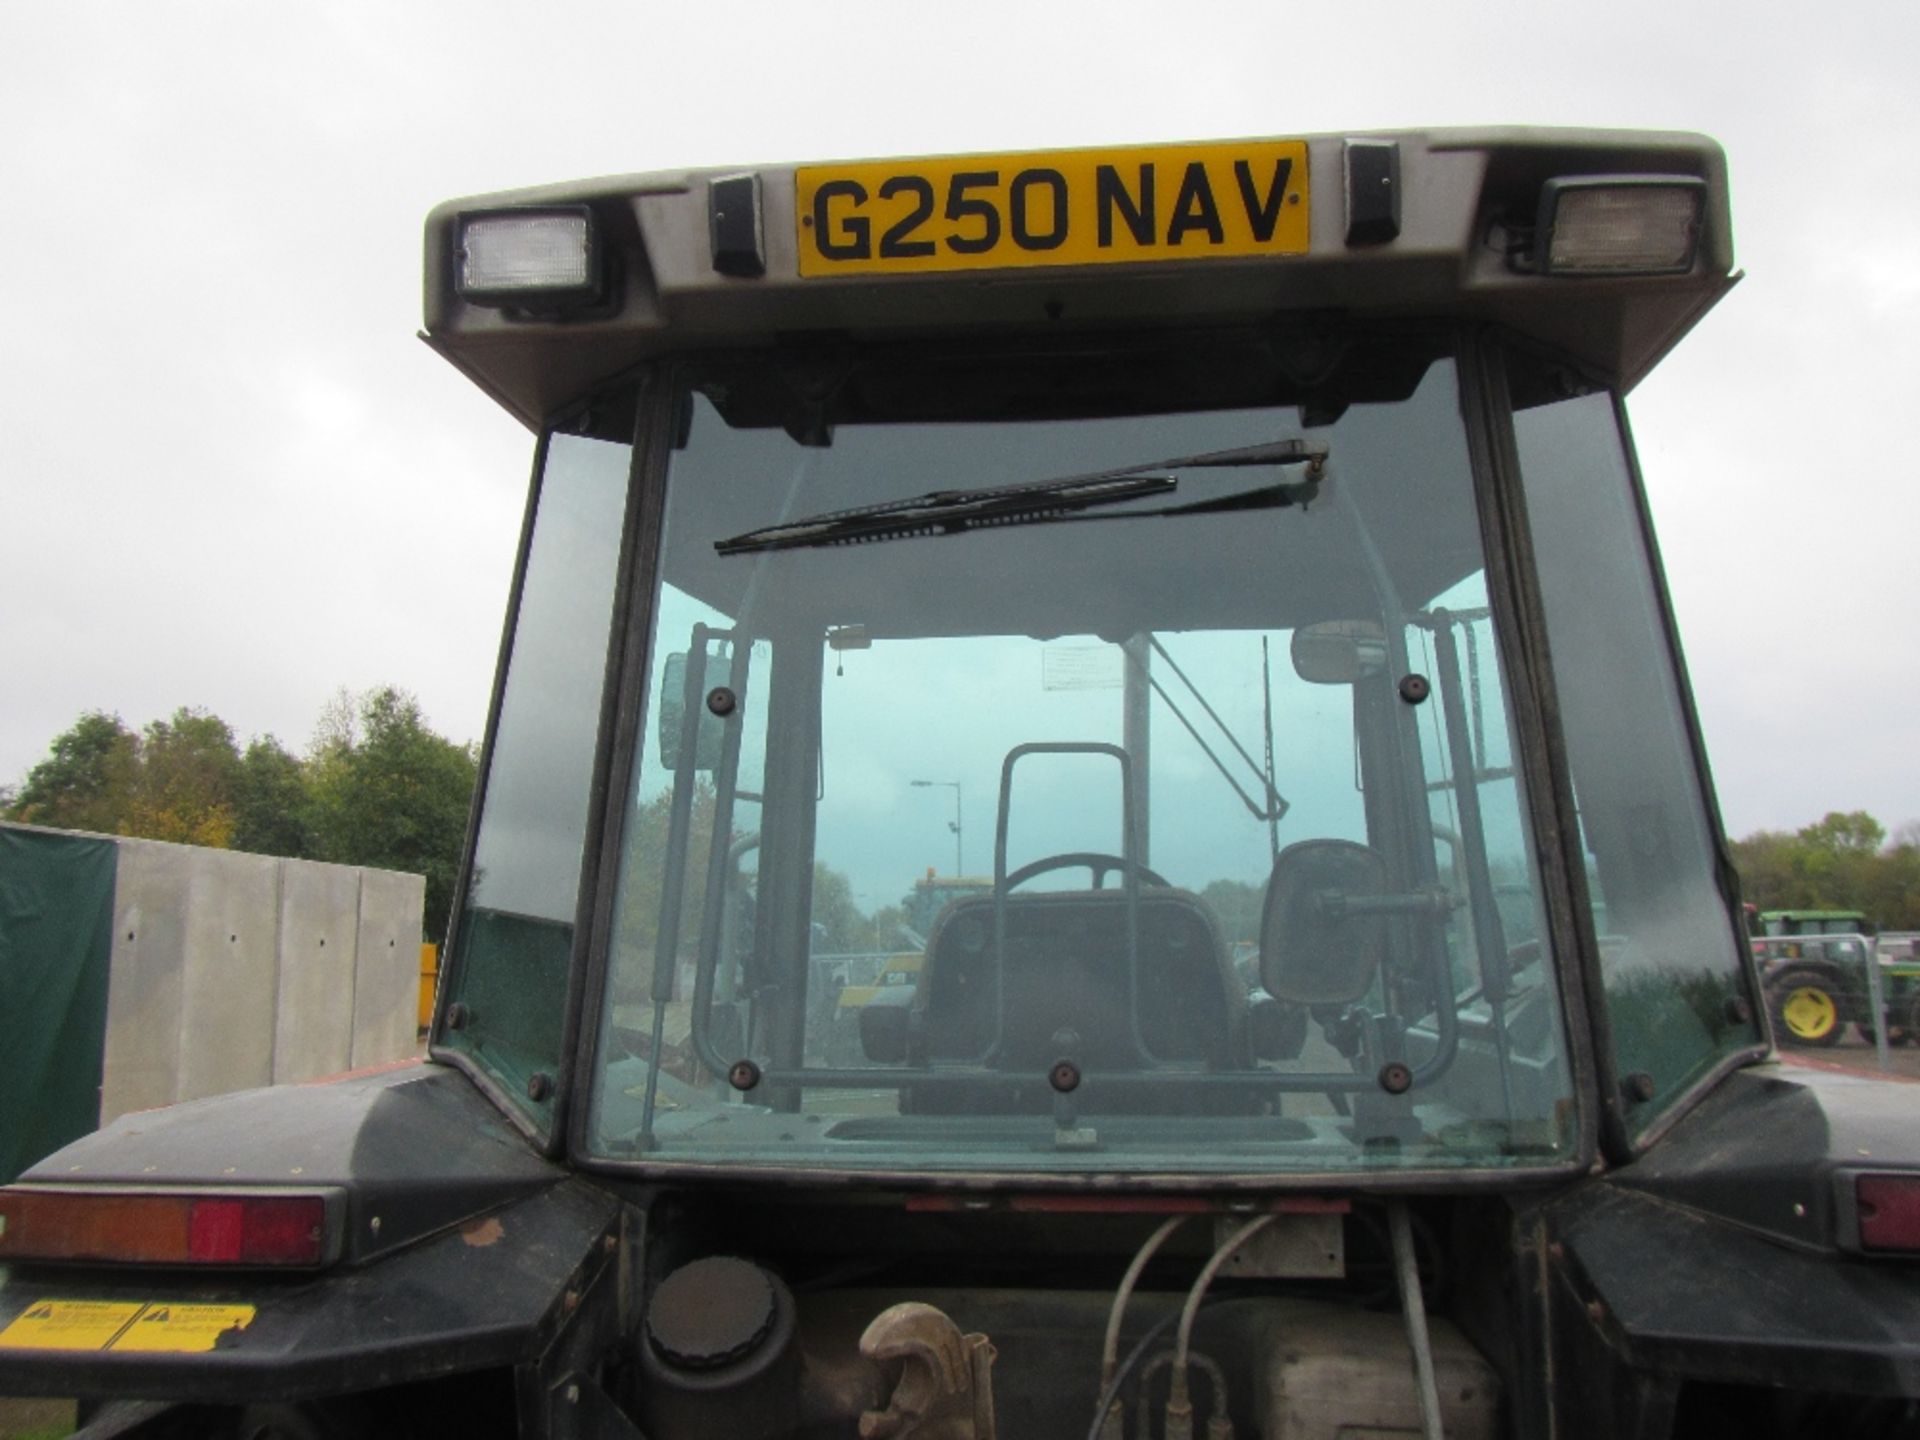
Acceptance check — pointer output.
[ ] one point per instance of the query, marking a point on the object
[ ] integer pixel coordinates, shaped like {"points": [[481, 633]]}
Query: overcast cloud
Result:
{"points": [[230, 477]]}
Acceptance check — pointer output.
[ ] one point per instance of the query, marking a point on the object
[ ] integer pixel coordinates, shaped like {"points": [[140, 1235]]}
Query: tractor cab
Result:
{"points": [[1096, 621], [1346, 1023]]}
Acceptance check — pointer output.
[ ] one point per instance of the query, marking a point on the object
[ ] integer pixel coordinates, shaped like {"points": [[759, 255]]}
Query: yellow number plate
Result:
{"points": [[1083, 207]]}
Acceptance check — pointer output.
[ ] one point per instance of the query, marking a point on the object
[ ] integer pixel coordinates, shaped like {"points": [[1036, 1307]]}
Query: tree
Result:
{"points": [[393, 794], [1894, 897], [1852, 833], [1839, 862], [175, 781], [187, 782], [886, 929], [87, 779], [380, 789], [270, 804], [643, 883], [1238, 905], [838, 925], [339, 724]]}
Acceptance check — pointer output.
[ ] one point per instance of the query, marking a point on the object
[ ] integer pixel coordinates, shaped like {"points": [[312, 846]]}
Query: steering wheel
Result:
{"points": [[1096, 861]]}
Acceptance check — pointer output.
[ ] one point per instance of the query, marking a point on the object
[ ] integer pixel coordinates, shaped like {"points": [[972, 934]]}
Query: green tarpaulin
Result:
{"points": [[56, 936]]}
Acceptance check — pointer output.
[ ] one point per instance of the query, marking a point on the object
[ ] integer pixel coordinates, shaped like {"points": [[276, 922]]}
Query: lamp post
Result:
{"points": [[959, 861]]}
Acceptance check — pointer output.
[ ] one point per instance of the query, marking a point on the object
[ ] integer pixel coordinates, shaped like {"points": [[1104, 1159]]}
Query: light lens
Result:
{"points": [[1889, 1207], [162, 1228], [216, 1231], [529, 254], [1621, 226]]}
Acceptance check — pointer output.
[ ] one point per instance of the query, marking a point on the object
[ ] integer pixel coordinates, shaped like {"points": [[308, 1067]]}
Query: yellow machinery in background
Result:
{"points": [[429, 979]]}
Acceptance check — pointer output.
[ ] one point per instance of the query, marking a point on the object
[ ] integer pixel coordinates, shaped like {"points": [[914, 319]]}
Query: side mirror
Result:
{"points": [[1339, 652], [673, 714]]}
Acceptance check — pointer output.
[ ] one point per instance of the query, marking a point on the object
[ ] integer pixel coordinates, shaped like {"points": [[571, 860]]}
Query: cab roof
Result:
{"points": [[1465, 202]]}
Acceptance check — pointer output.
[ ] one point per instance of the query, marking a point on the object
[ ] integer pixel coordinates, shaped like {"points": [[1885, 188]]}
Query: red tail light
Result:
{"points": [[147, 1227], [1889, 1207]]}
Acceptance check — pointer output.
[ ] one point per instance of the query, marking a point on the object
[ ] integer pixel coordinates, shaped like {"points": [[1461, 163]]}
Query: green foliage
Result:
{"points": [[187, 781], [1841, 862], [270, 802], [1852, 833], [887, 930], [644, 870], [391, 793], [838, 925], [380, 789], [86, 781], [1238, 905], [175, 781]]}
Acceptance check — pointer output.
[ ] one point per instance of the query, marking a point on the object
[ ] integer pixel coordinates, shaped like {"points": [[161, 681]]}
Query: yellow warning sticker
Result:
{"points": [[182, 1328], [123, 1325], [69, 1324]]}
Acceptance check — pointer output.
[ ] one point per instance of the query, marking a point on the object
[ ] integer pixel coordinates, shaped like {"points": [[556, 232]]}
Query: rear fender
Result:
{"points": [[459, 1250], [495, 1292]]}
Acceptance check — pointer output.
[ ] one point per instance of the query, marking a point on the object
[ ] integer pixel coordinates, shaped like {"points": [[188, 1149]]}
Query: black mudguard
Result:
{"points": [[482, 1255], [1729, 1257]]}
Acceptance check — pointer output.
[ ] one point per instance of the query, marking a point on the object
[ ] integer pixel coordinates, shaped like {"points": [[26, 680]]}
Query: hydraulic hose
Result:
{"points": [[1111, 1349], [1198, 1293]]}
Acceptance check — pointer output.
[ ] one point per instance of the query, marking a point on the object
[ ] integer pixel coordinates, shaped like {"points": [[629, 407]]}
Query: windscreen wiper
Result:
{"points": [[949, 512]]}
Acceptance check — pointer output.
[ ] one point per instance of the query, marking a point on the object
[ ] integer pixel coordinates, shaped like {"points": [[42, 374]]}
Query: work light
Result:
{"points": [[1618, 225], [533, 259]]}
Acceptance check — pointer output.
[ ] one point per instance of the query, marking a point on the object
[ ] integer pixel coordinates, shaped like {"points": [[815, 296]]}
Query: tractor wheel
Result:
{"points": [[1807, 1009]]}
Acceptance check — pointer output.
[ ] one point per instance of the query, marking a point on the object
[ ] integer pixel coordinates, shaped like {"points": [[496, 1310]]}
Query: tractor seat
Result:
{"points": [[1066, 970]]}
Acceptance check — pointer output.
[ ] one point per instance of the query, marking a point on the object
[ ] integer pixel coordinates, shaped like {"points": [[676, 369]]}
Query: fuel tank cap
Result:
{"points": [[711, 1313]]}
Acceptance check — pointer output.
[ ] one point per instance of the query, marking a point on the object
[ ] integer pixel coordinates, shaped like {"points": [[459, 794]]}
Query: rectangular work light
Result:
{"points": [[1618, 225], [164, 1227], [532, 259]]}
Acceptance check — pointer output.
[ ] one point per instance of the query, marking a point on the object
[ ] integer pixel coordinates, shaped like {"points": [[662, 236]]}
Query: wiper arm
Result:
{"points": [[948, 512]]}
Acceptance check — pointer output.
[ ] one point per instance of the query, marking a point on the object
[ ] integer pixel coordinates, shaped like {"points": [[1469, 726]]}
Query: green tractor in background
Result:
{"points": [[1814, 966]]}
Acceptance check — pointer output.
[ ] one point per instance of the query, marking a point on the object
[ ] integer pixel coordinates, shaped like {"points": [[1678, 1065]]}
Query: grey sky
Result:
{"points": [[230, 477]]}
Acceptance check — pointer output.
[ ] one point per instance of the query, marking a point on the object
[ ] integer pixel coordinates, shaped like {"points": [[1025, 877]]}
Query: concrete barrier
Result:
{"points": [[232, 970]]}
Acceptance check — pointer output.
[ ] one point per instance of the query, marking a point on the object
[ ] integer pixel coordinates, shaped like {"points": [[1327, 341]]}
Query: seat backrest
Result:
{"points": [[1313, 951], [1066, 969]]}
